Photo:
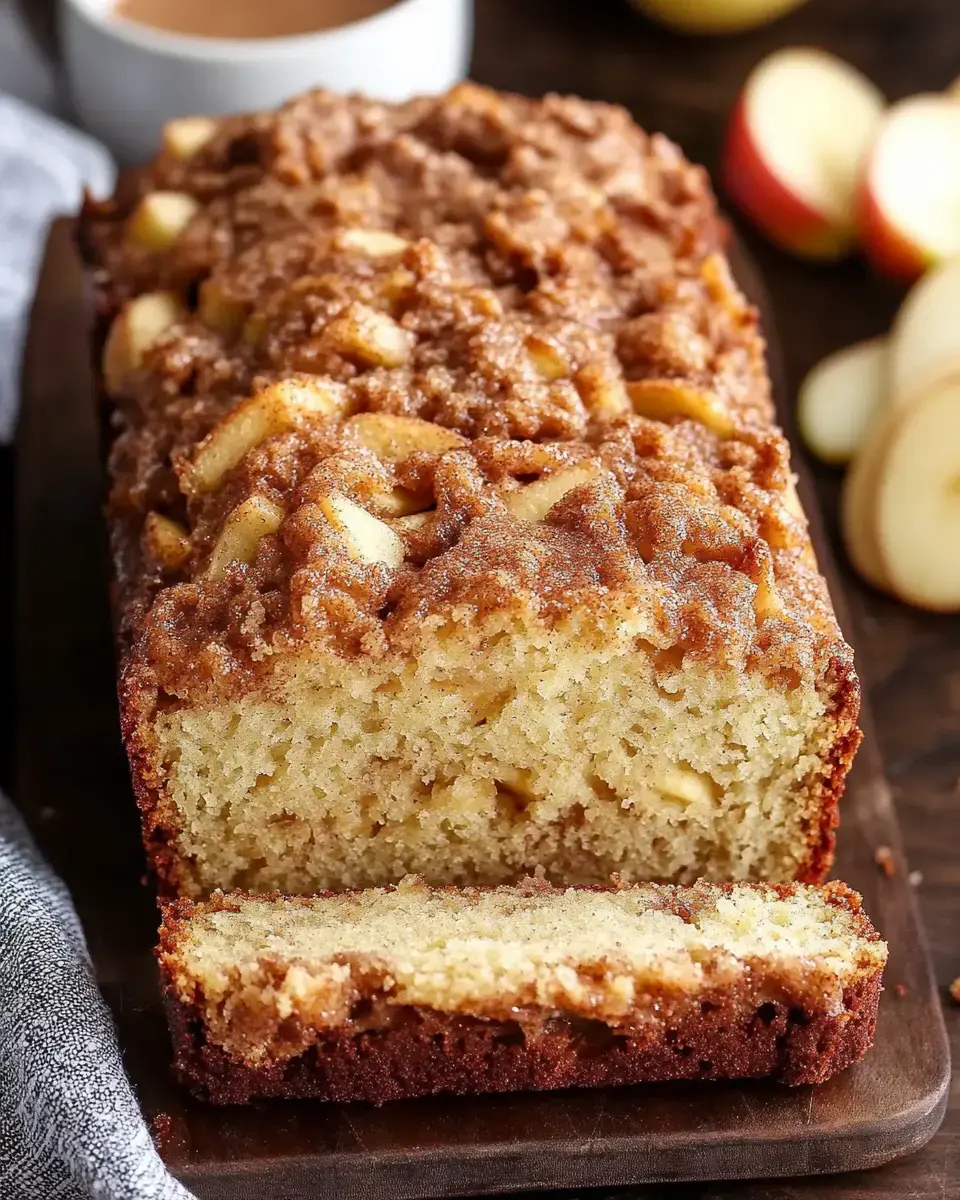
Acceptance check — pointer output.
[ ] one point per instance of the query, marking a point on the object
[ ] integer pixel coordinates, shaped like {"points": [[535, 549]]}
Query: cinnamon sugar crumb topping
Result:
{"points": [[526, 382]]}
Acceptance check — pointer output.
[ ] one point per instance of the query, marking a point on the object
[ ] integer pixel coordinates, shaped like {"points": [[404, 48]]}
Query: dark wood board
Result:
{"points": [[909, 660], [72, 784]]}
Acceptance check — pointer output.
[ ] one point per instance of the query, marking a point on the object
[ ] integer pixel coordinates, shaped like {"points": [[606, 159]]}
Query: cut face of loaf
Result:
{"points": [[579, 747], [385, 994], [452, 531], [533, 674]]}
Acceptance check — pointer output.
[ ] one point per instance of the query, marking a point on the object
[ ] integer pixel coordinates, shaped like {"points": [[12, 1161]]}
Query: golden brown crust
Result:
{"points": [[429, 1054], [772, 1021], [488, 187], [544, 279]]}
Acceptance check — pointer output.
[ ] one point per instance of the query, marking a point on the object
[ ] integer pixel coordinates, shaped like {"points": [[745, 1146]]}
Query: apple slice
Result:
{"points": [[840, 398], [795, 146], [661, 399], [243, 530], [918, 501], [395, 438], [533, 501], [166, 542], [366, 537], [271, 411], [925, 339], [910, 195], [858, 506]]}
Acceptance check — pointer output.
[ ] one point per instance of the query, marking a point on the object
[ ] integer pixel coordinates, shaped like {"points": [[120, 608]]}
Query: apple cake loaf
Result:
{"points": [[389, 993], [453, 532]]}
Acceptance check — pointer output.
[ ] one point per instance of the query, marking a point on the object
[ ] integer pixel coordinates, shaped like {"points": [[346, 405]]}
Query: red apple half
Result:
{"points": [[910, 196], [795, 149]]}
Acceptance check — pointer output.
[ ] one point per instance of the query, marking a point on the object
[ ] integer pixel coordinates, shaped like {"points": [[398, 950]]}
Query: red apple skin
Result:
{"points": [[889, 253], [787, 221]]}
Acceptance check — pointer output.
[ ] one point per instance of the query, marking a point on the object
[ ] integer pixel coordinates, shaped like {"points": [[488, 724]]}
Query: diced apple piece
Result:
{"points": [[412, 522], [533, 501], [482, 302], [262, 416], [143, 321], [602, 391], [367, 538], [795, 146], [663, 398], [918, 501], [779, 535], [400, 502], [546, 358], [370, 336], [925, 339], [689, 786], [183, 137], [219, 311], [714, 16], [840, 399], [375, 243], [791, 500], [255, 328], [160, 218], [244, 529], [721, 287], [398, 285], [910, 197], [166, 542], [858, 507], [767, 602], [394, 438]]}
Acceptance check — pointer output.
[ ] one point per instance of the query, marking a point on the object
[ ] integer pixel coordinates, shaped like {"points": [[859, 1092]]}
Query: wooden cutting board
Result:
{"points": [[72, 785]]}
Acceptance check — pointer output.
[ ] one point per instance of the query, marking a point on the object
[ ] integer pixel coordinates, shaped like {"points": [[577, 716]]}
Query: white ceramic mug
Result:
{"points": [[127, 80]]}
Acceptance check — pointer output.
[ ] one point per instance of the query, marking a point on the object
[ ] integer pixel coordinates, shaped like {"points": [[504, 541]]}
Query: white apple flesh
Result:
{"points": [[918, 501], [858, 508], [840, 399], [910, 195], [795, 148], [925, 339], [160, 218]]}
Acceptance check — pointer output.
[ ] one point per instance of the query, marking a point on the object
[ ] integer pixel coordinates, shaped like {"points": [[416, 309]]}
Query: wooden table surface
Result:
{"points": [[910, 661]]}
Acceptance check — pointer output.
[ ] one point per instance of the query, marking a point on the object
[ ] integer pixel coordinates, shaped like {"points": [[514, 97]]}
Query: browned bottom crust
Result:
{"points": [[422, 1052]]}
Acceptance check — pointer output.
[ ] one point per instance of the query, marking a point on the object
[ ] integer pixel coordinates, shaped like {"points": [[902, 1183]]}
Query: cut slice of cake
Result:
{"points": [[390, 993]]}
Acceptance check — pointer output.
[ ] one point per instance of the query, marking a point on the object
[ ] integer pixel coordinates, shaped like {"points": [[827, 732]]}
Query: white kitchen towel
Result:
{"points": [[44, 167], [70, 1127]]}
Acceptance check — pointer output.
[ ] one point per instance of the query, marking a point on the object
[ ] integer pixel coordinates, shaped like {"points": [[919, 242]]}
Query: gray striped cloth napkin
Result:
{"points": [[70, 1126]]}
